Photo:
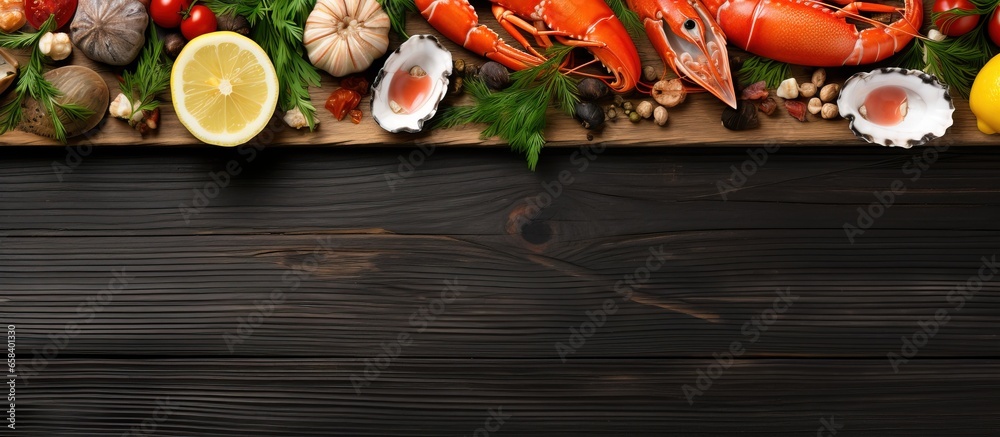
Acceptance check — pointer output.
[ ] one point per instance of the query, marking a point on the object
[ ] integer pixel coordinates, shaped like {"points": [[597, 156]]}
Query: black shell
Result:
{"points": [[742, 118], [590, 115]]}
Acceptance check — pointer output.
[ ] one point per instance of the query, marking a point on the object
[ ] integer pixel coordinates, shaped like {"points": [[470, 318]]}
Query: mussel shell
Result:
{"points": [[8, 70], [79, 85]]}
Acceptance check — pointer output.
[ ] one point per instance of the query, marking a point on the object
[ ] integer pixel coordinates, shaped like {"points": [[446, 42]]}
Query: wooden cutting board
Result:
{"points": [[694, 123]]}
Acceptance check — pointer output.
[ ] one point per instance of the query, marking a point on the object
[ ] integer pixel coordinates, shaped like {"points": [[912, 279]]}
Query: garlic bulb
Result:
{"points": [[11, 15], [346, 36], [110, 31], [55, 45]]}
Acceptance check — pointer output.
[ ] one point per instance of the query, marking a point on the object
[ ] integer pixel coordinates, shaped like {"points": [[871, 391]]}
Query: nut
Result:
{"points": [[669, 93], [174, 43], [660, 115], [634, 117], [819, 77], [234, 23], [829, 93], [459, 67], [649, 73], [830, 111], [645, 109], [612, 113], [788, 89], [495, 75], [55, 45], [815, 106], [619, 100], [627, 106], [807, 90]]}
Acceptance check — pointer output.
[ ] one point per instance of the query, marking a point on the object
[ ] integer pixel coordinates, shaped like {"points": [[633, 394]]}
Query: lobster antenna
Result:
{"points": [[864, 19]]}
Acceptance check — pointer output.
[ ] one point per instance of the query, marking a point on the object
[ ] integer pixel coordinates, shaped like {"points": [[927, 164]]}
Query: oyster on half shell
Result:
{"points": [[414, 80], [896, 107]]}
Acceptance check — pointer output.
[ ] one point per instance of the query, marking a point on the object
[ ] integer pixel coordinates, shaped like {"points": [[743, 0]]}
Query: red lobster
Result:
{"points": [[690, 35], [808, 32], [579, 23]]}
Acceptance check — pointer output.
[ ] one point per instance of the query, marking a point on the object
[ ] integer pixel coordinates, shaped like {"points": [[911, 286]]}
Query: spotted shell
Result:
{"points": [[346, 36], [110, 31]]}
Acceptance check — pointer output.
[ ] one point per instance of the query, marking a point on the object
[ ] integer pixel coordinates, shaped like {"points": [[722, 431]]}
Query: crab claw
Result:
{"points": [[689, 41]]}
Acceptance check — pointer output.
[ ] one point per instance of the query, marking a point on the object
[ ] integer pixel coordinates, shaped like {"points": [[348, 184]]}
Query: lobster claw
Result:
{"points": [[689, 40]]}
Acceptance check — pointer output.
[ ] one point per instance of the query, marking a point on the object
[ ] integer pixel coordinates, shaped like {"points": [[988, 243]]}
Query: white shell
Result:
{"points": [[929, 113], [420, 50], [346, 36]]}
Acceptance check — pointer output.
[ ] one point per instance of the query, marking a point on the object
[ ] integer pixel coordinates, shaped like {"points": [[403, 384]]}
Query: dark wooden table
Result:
{"points": [[339, 292]]}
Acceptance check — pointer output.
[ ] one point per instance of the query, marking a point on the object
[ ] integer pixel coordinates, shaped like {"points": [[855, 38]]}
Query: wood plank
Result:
{"points": [[619, 193], [346, 295], [687, 126], [543, 398]]}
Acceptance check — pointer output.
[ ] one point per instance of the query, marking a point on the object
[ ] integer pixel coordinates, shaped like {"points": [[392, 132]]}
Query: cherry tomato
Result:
{"points": [[200, 20], [355, 83], [952, 24], [37, 11], [993, 27], [342, 101], [168, 13]]}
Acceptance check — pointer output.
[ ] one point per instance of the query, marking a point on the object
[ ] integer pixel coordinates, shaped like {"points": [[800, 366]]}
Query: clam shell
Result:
{"points": [[110, 31], [420, 50], [929, 113], [78, 85], [8, 70]]}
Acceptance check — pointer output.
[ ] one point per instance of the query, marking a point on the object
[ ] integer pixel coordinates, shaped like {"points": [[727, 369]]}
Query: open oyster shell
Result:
{"points": [[432, 60], [928, 109]]}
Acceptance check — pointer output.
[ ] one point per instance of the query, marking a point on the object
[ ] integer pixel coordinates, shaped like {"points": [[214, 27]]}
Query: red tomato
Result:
{"points": [[200, 20], [994, 26], [37, 11], [952, 24], [168, 13], [342, 101]]}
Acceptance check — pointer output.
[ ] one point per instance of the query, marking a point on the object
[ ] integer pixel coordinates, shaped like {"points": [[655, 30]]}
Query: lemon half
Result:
{"points": [[224, 88]]}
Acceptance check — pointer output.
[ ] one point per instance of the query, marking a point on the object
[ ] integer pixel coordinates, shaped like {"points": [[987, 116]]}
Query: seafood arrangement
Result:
{"points": [[230, 66]]}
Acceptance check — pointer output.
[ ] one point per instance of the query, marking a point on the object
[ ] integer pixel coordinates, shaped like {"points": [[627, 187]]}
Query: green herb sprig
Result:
{"points": [[516, 114], [151, 75], [628, 17], [757, 68], [397, 11], [278, 26], [32, 84]]}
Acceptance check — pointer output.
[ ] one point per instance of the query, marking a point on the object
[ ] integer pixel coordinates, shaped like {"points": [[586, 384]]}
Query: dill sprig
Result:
{"points": [[517, 114], [628, 17], [277, 27], [756, 69], [955, 61], [151, 75], [397, 11], [32, 84]]}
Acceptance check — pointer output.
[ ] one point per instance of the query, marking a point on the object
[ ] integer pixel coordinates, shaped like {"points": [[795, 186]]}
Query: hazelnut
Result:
{"points": [[174, 43], [645, 109], [788, 89], [819, 78], [660, 115], [815, 106], [627, 106], [807, 90], [829, 93], [830, 111]]}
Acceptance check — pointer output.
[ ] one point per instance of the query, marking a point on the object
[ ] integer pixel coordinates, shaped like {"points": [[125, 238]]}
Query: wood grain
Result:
{"points": [[451, 220], [696, 123], [542, 398]]}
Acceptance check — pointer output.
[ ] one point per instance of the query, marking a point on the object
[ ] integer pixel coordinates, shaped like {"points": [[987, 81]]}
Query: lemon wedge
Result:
{"points": [[224, 88]]}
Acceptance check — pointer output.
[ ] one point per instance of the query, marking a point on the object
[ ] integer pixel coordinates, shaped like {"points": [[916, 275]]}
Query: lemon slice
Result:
{"points": [[224, 88]]}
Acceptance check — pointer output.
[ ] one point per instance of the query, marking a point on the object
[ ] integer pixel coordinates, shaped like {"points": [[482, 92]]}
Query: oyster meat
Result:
{"points": [[896, 107], [408, 89]]}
